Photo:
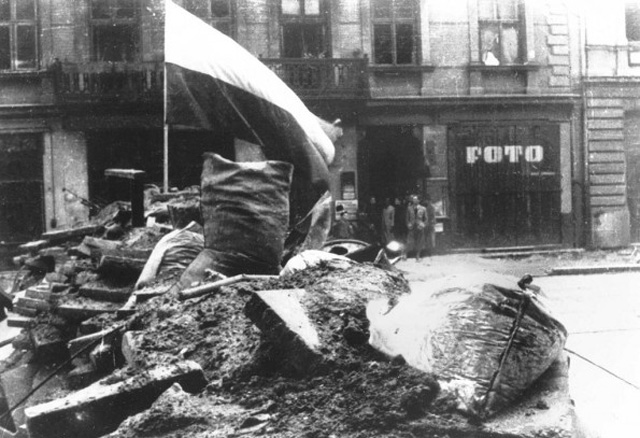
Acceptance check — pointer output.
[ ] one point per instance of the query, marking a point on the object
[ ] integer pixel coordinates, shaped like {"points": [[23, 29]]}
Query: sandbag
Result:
{"points": [[309, 259], [485, 339], [175, 251], [245, 209]]}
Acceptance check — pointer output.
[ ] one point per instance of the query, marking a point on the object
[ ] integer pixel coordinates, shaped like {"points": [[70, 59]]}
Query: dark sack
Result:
{"points": [[245, 209]]}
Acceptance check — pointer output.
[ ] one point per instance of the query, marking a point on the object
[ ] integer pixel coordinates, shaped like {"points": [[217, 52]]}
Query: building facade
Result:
{"points": [[517, 118], [80, 91], [612, 112], [476, 103]]}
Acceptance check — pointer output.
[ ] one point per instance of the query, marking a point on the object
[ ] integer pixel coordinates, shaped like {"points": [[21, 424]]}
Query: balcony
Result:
{"points": [[108, 82], [143, 81], [323, 78]]}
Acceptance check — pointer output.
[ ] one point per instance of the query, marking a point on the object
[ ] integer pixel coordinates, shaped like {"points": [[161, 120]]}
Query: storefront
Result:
{"points": [[505, 184], [499, 174]]}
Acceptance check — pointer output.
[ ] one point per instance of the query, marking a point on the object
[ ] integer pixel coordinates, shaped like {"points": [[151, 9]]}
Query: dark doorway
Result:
{"points": [[505, 184], [124, 149], [186, 149], [394, 162], [21, 188]]}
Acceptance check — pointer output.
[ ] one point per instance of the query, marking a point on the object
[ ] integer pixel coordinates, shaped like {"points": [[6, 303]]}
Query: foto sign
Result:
{"points": [[498, 154]]}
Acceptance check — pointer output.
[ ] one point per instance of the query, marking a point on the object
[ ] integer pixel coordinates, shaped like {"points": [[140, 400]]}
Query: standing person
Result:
{"points": [[374, 212], [400, 226], [430, 230], [342, 229], [388, 221], [416, 223]]}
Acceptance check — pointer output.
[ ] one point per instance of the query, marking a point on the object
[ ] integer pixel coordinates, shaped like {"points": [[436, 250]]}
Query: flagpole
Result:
{"points": [[165, 132]]}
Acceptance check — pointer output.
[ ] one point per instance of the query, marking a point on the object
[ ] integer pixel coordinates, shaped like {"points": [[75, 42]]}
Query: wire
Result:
{"points": [[602, 368]]}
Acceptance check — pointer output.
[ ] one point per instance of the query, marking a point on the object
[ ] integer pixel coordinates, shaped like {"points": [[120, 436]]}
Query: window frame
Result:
{"points": [[135, 22], [519, 22], [393, 21], [215, 22], [632, 8], [303, 20], [13, 23]]}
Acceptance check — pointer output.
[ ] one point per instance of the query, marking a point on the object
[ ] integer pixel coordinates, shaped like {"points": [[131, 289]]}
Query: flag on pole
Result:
{"points": [[215, 84]]}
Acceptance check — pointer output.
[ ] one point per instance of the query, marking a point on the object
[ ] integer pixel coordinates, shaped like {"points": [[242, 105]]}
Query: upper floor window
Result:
{"points": [[305, 28], [18, 42], [115, 30], [501, 31], [218, 13], [395, 32], [632, 21]]}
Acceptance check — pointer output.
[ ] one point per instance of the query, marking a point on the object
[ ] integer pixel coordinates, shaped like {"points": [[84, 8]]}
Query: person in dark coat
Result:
{"points": [[342, 229], [430, 229], [417, 221]]}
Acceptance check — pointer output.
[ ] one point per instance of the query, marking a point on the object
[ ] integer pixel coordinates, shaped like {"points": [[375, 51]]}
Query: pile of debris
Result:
{"points": [[115, 342]]}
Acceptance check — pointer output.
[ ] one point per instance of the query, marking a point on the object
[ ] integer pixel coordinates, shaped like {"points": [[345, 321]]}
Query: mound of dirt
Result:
{"points": [[362, 393]]}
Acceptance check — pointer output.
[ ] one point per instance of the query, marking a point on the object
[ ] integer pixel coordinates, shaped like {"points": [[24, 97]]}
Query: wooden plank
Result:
{"points": [[77, 344], [97, 244], [125, 173], [72, 232], [99, 291], [79, 310], [25, 311], [32, 303], [122, 264], [34, 246], [107, 402], [39, 292], [20, 321]]}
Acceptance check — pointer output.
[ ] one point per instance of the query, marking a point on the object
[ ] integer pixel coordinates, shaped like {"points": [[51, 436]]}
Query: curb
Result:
{"points": [[585, 270], [523, 254]]}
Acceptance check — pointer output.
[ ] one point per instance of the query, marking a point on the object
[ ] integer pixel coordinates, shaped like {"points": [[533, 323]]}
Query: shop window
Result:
{"points": [[218, 13], [632, 21], [18, 40], [115, 30], [395, 32], [501, 27], [304, 29]]}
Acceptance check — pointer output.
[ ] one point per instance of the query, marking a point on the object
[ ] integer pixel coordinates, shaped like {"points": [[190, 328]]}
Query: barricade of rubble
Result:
{"points": [[104, 354]]}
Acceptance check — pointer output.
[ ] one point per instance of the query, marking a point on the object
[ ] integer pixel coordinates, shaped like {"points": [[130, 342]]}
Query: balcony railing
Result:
{"points": [[105, 82], [320, 78], [142, 81]]}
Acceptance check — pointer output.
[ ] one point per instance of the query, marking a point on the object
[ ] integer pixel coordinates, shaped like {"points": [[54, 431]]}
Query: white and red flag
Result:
{"points": [[214, 83]]}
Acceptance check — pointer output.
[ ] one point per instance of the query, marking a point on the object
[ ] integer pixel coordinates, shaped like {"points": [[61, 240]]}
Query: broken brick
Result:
{"points": [[99, 408], [281, 317]]}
